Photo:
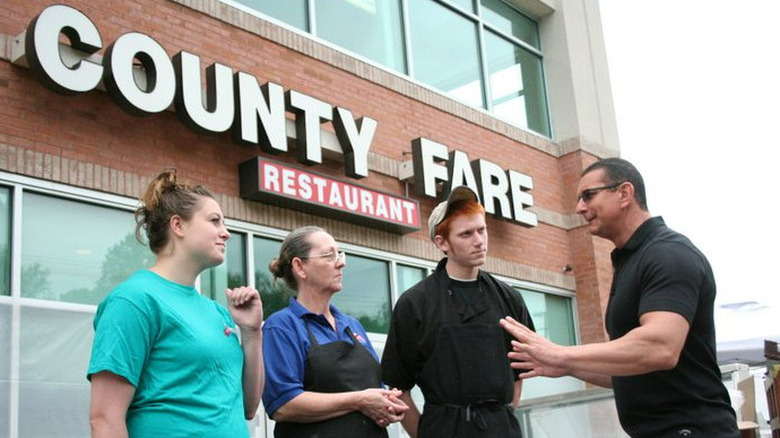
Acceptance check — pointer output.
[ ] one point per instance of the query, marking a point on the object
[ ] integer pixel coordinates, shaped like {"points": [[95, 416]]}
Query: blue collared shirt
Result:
{"points": [[286, 346]]}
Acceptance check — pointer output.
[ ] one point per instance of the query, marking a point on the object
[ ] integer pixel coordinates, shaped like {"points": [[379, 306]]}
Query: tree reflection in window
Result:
{"points": [[119, 262]]}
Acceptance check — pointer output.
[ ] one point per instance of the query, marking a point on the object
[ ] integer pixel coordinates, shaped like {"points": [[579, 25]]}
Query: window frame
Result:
{"points": [[482, 26]]}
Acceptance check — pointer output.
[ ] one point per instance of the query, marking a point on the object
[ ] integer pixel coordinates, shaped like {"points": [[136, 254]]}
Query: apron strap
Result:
{"points": [[312, 339]]}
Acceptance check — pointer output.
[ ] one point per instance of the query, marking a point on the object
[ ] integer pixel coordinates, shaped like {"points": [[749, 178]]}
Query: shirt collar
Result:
{"points": [[638, 238], [299, 311], [441, 271]]}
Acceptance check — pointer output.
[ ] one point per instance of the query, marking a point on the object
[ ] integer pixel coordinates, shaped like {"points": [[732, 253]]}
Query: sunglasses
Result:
{"points": [[588, 194]]}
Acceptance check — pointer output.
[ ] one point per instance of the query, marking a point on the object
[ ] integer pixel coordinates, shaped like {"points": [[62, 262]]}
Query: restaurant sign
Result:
{"points": [[277, 183]]}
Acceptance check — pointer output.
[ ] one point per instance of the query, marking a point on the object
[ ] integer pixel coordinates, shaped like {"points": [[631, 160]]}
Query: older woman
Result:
{"points": [[322, 374]]}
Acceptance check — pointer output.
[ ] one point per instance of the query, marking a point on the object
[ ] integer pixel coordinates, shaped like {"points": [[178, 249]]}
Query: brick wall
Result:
{"points": [[89, 141]]}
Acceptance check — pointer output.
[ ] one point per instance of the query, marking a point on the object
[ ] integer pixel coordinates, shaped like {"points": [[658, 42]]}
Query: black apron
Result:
{"points": [[337, 367], [467, 382]]}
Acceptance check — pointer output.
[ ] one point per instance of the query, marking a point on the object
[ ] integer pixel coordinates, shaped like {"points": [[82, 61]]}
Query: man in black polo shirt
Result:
{"points": [[660, 359], [445, 335]]}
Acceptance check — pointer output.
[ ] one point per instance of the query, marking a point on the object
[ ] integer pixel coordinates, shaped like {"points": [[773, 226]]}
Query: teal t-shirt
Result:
{"points": [[180, 351]]}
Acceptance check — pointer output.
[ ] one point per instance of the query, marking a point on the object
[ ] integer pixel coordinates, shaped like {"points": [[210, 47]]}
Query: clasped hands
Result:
{"points": [[383, 406]]}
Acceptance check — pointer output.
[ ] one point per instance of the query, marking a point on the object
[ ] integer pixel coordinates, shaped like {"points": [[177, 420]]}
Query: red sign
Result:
{"points": [[283, 185]]}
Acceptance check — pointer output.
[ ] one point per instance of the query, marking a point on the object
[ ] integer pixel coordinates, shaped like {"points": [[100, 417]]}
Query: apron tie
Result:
{"points": [[474, 411]]}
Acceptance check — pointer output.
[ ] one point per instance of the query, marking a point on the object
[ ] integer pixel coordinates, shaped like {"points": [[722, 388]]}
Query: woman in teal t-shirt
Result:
{"points": [[166, 361]]}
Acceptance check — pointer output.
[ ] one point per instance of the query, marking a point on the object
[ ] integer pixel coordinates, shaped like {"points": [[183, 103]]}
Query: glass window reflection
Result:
{"points": [[509, 21], [275, 294], [443, 47], [466, 5], [552, 314], [231, 273], [373, 30], [366, 293], [516, 84], [81, 261], [450, 64], [292, 12], [408, 276]]}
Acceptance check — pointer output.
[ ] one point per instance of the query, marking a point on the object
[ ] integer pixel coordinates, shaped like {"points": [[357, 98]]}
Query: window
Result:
{"points": [[506, 20], [230, 274], [485, 54], [553, 316], [83, 259], [466, 5], [275, 293], [408, 276], [450, 64], [292, 12], [370, 28], [366, 292], [516, 84], [5, 241]]}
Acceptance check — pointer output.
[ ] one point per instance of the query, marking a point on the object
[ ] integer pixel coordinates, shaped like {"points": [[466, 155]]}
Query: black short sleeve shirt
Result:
{"points": [[661, 270]]}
